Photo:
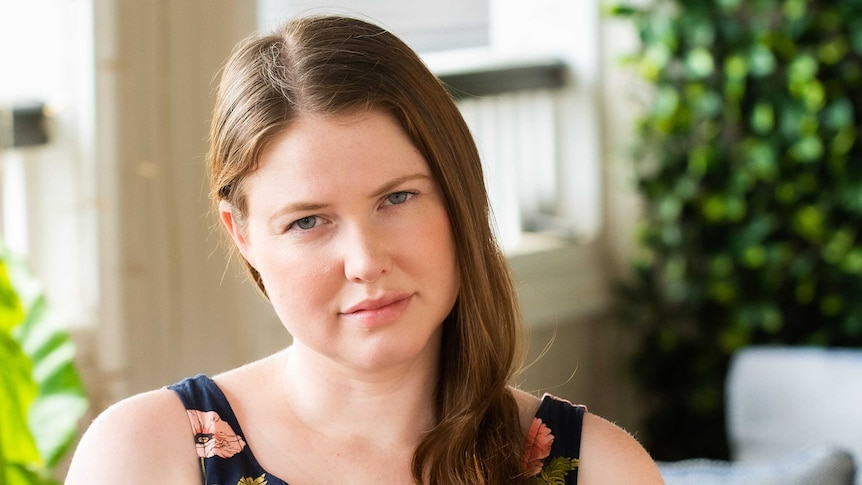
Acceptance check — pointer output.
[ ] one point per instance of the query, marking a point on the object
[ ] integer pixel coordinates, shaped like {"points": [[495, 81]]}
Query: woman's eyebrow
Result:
{"points": [[392, 184], [296, 207]]}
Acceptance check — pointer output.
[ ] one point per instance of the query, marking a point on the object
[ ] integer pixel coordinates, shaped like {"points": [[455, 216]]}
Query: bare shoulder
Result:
{"points": [[611, 455], [143, 439], [528, 404]]}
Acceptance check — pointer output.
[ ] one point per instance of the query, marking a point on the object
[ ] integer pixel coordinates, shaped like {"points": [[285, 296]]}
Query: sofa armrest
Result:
{"points": [[823, 465], [783, 398]]}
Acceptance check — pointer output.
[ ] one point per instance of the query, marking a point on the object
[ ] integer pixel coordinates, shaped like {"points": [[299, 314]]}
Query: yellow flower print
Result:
{"points": [[252, 481]]}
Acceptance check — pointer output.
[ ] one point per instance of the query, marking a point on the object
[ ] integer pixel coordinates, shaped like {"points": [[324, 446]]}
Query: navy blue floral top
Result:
{"points": [[550, 455]]}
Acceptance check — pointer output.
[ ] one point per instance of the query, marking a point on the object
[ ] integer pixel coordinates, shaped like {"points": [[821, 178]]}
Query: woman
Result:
{"points": [[352, 189]]}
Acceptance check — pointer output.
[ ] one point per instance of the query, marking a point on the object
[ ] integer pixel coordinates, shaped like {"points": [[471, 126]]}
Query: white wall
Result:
{"points": [[170, 307]]}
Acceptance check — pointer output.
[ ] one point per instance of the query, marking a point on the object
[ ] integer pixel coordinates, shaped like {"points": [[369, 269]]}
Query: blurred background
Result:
{"points": [[672, 183]]}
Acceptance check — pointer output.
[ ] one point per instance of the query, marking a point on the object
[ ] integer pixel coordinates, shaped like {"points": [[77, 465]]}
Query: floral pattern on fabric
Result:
{"points": [[253, 481], [550, 457], [214, 437], [555, 471], [537, 449]]}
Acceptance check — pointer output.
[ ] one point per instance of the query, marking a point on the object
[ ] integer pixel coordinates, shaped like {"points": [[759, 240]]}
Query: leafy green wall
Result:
{"points": [[750, 168]]}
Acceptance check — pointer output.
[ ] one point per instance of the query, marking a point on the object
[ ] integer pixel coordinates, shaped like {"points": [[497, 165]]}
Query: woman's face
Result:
{"points": [[351, 238]]}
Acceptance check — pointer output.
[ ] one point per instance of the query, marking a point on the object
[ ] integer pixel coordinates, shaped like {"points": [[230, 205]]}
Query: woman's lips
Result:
{"points": [[379, 311]]}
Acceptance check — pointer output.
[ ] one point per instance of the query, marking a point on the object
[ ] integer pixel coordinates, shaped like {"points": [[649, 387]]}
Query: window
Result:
{"points": [[48, 190], [539, 141], [427, 26]]}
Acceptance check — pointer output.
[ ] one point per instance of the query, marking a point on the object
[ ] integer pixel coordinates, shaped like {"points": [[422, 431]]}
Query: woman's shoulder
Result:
{"points": [[609, 454], [142, 439], [528, 404], [605, 452]]}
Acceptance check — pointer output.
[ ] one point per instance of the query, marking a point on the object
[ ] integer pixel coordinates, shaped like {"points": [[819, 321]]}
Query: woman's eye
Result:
{"points": [[305, 223], [398, 197]]}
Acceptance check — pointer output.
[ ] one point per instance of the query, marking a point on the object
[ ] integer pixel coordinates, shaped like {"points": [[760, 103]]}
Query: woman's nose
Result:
{"points": [[366, 257]]}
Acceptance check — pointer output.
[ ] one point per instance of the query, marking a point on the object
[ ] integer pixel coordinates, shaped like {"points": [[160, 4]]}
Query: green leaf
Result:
{"points": [[754, 256], [17, 388], [762, 117], [54, 426], [833, 51], [733, 338], [46, 387], [734, 89], [54, 419], [838, 245], [669, 208], [831, 305], [11, 310], [714, 208], [852, 262], [700, 63], [622, 10], [838, 114], [802, 69], [699, 160], [807, 149], [762, 161], [700, 32], [729, 5], [794, 9], [723, 292], [17, 392], [761, 60], [735, 67], [844, 140], [813, 95], [21, 475], [665, 103], [808, 222]]}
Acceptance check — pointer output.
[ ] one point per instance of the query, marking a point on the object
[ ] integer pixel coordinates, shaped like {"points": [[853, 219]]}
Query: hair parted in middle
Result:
{"points": [[331, 66]]}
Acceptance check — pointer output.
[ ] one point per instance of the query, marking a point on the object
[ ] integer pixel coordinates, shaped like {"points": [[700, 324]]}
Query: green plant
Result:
{"points": [[750, 169], [41, 396]]}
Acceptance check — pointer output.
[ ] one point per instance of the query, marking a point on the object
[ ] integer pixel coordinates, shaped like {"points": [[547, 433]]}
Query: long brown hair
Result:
{"points": [[341, 65]]}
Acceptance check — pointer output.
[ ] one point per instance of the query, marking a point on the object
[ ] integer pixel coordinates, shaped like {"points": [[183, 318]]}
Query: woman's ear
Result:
{"points": [[234, 228]]}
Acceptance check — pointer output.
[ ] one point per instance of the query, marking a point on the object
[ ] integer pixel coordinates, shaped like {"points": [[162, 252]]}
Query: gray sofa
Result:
{"points": [[794, 416]]}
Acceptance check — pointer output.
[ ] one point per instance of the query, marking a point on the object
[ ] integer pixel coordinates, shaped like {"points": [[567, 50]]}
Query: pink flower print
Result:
{"points": [[538, 447], [214, 437]]}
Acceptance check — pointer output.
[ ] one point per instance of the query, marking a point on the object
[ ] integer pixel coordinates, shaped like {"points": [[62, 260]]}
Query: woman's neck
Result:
{"points": [[387, 407]]}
